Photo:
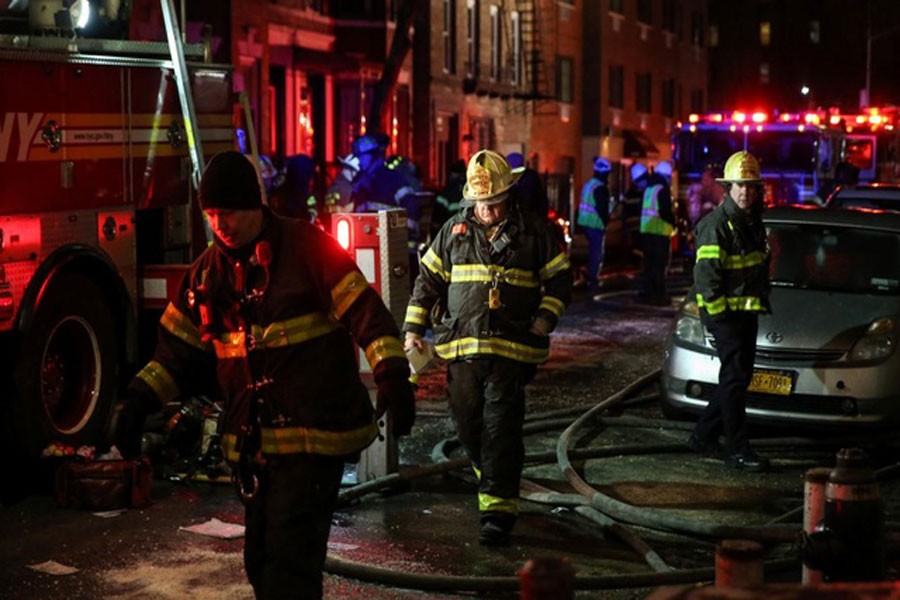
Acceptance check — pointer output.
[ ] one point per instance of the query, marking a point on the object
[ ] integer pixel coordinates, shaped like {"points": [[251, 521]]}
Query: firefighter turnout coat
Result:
{"points": [[483, 296], [272, 326], [732, 268]]}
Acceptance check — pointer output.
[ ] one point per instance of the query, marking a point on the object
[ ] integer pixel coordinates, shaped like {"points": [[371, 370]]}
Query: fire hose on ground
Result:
{"points": [[600, 509]]}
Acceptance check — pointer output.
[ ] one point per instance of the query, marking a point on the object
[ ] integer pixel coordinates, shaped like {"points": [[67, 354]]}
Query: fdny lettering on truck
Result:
{"points": [[26, 126], [101, 135]]}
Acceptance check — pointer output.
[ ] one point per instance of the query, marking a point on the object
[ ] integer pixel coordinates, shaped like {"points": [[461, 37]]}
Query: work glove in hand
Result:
{"points": [[127, 425], [396, 394]]}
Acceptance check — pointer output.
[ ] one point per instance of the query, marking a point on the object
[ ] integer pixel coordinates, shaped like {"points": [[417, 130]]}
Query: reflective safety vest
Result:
{"points": [[651, 221], [588, 215], [731, 272]]}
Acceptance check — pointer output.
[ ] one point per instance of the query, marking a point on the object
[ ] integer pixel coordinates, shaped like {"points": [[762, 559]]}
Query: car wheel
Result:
{"points": [[67, 367]]}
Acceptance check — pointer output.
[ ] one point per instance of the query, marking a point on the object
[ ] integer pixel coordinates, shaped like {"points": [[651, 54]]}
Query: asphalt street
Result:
{"points": [[417, 537]]}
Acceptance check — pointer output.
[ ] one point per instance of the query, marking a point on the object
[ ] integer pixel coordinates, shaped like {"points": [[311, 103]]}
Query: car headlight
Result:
{"points": [[688, 328], [877, 342]]}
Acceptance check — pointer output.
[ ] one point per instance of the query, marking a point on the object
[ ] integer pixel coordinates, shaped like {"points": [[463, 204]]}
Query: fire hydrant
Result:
{"points": [[848, 545]]}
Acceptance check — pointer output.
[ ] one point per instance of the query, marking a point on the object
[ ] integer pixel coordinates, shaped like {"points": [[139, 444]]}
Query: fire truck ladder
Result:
{"points": [[183, 83]]}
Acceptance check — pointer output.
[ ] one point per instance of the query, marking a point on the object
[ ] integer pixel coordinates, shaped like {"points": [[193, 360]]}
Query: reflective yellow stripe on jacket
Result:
{"points": [[158, 379], [305, 440], [730, 261], [433, 263], [275, 335], [488, 273], [466, 347], [744, 303], [178, 324]]}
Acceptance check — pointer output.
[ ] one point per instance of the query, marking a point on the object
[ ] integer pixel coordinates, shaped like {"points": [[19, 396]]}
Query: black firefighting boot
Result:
{"points": [[495, 528]]}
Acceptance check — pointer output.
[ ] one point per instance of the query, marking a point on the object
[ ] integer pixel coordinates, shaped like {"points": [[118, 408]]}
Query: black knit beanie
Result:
{"points": [[229, 182]]}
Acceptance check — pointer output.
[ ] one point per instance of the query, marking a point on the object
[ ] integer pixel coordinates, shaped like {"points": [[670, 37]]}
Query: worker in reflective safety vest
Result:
{"points": [[495, 284], [265, 319], [657, 229], [731, 287], [593, 216]]}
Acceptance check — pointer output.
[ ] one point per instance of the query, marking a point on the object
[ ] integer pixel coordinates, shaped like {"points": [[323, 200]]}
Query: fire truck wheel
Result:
{"points": [[66, 376]]}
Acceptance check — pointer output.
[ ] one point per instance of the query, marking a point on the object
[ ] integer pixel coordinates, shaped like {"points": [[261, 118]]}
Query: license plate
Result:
{"points": [[772, 382]]}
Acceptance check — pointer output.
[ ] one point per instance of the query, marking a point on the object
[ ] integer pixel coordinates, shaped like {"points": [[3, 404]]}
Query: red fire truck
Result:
{"points": [[100, 140]]}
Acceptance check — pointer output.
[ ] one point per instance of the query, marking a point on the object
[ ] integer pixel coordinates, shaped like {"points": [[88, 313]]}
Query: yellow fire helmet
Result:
{"points": [[488, 178], [741, 167]]}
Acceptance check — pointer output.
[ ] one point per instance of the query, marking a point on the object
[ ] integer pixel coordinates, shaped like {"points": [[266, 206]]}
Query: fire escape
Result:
{"points": [[538, 25]]}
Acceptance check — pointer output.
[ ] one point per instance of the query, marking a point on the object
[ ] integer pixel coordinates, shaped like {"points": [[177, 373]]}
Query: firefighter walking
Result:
{"points": [[494, 283], [731, 285], [657, 229], [270, 311], [593, 216]]}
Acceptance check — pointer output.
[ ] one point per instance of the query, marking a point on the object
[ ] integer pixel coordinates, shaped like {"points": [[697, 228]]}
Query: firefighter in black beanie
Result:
{"points": [[275, 329]]}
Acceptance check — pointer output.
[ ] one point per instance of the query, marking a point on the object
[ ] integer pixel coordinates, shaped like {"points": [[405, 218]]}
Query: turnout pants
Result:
{"points": [[288, 523], [487, 402], [656, 261], [735, 336], [595, 256]]}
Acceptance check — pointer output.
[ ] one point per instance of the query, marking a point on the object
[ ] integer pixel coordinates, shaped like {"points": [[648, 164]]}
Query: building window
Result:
{"points": [[713, 36], [645, 12], [668, 15], [765, 33], [516, 60], [496, 44], [697, 28], [472, 39], [668, 98], [642, 96], [449, 36], [565, 85], [617, 86], [617, 6], [815, 32], [696, 101], [764, 72]]}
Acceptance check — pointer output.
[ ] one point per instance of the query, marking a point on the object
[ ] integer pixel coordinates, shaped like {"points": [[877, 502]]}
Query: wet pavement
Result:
{"points": [[418, 539]]}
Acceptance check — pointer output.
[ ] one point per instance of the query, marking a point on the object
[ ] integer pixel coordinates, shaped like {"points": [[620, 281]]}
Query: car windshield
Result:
{"points": [[834, 258]]}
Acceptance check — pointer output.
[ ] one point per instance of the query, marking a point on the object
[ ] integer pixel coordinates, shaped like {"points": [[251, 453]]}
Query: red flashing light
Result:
{"points": [[739, 117], [343, 233], [759, 117], [693, 118], [716, 118], [834, 119]]}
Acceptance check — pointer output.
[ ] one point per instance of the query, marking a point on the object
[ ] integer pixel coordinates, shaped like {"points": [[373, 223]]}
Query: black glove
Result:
{"points": [[127, 425], [396, 394]]}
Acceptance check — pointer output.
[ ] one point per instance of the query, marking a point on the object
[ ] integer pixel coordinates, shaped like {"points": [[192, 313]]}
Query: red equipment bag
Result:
{"points": [[104, 484]]}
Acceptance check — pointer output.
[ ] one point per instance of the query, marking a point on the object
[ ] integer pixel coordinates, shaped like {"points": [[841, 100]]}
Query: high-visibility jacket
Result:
{"points": [[731, 272], [593, 211], [657, 217], [530, 273], [289, 351]]}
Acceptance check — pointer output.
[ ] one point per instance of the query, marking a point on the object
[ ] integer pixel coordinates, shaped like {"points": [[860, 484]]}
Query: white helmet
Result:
{"points": [[638, 170], [664, 168]]}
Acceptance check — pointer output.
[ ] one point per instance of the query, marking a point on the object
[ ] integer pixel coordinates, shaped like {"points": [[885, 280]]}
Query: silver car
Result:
{"points": [[827, 353], [884, 196]]}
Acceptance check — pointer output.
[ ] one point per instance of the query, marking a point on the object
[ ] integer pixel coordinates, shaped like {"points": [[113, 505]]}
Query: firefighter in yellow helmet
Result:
{"points": [[731, 285], [501, 284]]}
